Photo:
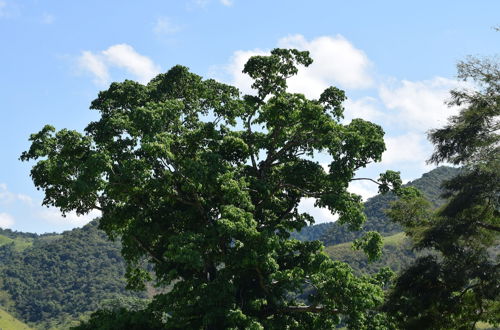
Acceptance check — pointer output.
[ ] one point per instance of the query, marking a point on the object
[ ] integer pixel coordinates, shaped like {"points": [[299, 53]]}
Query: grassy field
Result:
{"points": [[396, 254], [5, 240], [9, 322], [393, 240], [19, 243], [482, 325]]}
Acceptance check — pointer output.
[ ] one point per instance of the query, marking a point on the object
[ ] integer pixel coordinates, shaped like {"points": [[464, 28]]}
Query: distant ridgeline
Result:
{"points": [[52, 280], [333, 233], [49, 280]]}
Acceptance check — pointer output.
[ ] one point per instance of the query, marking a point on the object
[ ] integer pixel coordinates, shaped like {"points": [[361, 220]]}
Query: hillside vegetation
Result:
{"points": [[59, 278], [333, 233], [18, 243], [396, 254], [51, 281]]}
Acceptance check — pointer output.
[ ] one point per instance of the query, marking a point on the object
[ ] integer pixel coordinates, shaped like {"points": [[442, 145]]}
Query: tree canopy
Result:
{"points": [[204, 184], [458, 284]]}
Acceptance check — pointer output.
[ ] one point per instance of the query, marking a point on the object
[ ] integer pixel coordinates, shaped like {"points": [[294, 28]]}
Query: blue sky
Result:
{"points": [[395, 59]]}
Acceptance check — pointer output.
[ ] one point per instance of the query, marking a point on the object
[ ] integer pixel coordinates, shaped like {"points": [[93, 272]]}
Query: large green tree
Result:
{"points": [[204, 185], [458, 284]]}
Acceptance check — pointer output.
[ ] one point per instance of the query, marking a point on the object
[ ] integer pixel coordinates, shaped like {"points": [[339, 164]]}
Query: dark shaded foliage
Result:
{"points": [[204, 184], [461, 285]]}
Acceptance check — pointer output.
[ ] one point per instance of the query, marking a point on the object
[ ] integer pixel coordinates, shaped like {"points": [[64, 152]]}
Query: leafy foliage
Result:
{"points": [[375, 210], [459, 286], [122, 313], [397, 254], [204, 184]]}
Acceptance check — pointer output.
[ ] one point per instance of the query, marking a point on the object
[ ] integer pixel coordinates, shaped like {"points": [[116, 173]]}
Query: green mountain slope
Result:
{"points": [[59, 278], [52, 280], [396, 254], [9, 322], [18, 243], [333, 233]]}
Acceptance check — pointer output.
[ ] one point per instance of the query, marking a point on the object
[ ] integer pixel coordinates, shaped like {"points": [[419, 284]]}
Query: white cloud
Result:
{"points": [[121, 56], [6, 220], [365, 189], [227, 3], [164, 25], [96, 66], [366, 108], [232, 72], [26, 210], [320, 215], [25, 199], [124, 56], [54, 216], [336, 62], [408, 148], [8, 197], [419, 105]]}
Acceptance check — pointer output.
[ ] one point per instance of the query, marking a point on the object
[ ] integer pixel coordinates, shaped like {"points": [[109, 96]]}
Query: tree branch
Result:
{"points": [[488, 226], [146, 249], [261, 280], [308, 309], [250, 133], [272, 157], [374, 181]]}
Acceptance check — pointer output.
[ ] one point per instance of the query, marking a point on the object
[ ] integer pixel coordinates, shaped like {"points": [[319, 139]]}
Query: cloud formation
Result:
{"points": [[365, 189], [53, 216], [95, 65], [15, 203], [6, 220], [419, 105], [405, 109], [121, 56], [320, 215], [368, 108], [408, 148], [336, 62], [8, 197], [232, 71]]}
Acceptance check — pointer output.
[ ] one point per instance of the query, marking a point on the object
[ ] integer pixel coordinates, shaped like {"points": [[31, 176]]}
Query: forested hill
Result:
{"points": [[333, 233], [57, 278], [51, 280]]}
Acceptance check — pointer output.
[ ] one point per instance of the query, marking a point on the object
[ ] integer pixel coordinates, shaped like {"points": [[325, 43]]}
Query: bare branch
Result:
{"points": [[368, 179], [147, 250], [249, 130], [309, 309]]}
